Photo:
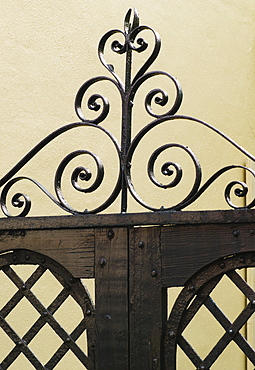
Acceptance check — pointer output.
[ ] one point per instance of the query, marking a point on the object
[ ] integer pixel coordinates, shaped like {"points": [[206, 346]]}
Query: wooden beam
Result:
{"points": [[129, 219], [147, 299], [111, 319], [73, 249], [186, 249]]}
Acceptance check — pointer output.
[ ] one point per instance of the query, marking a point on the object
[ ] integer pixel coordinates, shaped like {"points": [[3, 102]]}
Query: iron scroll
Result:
{"points": [[125, 149]]}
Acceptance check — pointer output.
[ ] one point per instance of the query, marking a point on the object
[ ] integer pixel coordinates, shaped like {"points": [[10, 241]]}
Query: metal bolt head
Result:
{"points": [[141, 244], [88, 312], [102, 261], [222, 265], [242, 259], [236, 233], [27, 257], [154, 273], [14, 257], [110, 234], [171, 334], [191, 288]]}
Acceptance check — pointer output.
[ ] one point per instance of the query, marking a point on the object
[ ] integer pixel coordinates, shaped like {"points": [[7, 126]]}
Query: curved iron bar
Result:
{"points": [[9, 181], [161, 100], [132, 42], [92, 101], [196, 190], [189, 302]]}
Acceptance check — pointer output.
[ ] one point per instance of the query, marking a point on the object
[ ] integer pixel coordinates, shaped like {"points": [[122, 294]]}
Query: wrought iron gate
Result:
{"points": [[134, 258]]}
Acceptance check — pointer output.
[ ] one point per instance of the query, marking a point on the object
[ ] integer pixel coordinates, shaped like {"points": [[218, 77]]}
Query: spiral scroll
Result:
{"points": [[23, 201], [174, 170], [126, 43]]}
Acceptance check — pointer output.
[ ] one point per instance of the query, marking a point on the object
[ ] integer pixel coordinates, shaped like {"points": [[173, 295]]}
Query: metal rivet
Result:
{"points": [[14, 257], [45, 314], [154, 363], [222, 265], [236, 233], [141, 245], [43, 260], [251, 232], [154, 273], [20, 343], [88, 312], [23, 287], [242, 259], [72, 280], [102, 261], [110, 234], [230, 331], [27, 257], [253, 302], [202, 367], [107, 317], [68, 339], [171, 334], [201, 295], [191, 288]]}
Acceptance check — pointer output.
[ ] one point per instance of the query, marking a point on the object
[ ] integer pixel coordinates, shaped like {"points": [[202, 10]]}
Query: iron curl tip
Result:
{"points": [[128, 26]]}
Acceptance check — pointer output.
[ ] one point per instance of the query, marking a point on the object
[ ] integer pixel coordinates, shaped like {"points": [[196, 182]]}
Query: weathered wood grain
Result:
{"points": [[129, 219], [147, 299], [74, 249], [111, 271], [187, 248]]}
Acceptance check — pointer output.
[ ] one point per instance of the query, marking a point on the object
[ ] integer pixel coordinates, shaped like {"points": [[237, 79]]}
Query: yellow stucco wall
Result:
{"points": [[49, 48]]}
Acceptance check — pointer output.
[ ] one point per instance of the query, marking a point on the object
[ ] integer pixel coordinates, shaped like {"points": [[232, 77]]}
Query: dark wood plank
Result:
{"points": [[147, 299], [187, 248], [129, 219], [74, 249], [111, 270]]}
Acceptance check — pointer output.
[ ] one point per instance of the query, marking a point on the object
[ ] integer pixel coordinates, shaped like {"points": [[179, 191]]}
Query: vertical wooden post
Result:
{"points": [[147, 299], [111, 274]]}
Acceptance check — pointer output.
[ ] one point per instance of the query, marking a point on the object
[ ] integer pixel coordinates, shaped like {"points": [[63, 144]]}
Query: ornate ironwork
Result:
{"points": [[132, 42], [194, 295], [70, 287]]}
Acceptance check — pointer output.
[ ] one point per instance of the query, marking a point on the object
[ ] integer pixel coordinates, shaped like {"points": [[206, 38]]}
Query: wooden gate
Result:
{"points": [[133, 266], [134, 258]]}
